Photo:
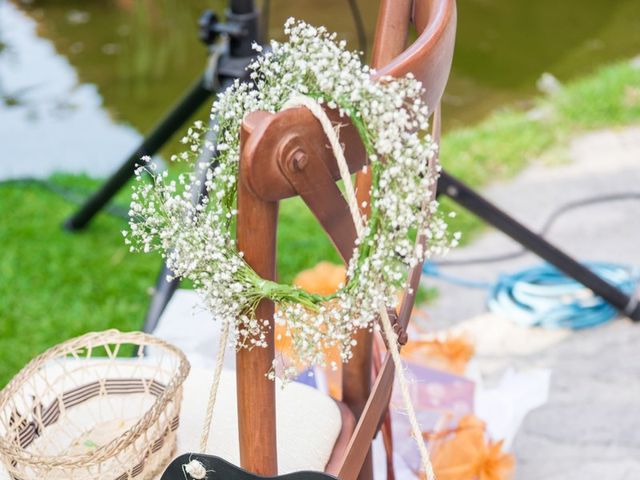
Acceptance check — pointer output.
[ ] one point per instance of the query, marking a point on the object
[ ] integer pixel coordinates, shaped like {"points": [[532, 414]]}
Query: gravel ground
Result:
{"points": [[590, 427]]}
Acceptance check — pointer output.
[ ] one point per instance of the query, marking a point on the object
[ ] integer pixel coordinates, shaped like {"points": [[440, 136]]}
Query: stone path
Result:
{"points": [[590, 427]]}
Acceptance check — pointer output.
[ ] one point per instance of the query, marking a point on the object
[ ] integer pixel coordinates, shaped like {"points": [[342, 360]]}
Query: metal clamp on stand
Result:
{"points": [[230, 44]]}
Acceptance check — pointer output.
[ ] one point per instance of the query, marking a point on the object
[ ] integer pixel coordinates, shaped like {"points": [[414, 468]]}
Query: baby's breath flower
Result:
{"points": [[197, 242]]}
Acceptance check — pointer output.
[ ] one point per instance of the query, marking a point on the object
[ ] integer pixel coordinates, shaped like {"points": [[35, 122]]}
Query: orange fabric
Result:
{"points": [[451, 354], [464, 454], [461, 454], [324, 279]]}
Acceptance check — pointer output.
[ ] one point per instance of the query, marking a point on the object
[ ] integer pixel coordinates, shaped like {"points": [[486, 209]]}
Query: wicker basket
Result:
{"points": [[77, 412]]}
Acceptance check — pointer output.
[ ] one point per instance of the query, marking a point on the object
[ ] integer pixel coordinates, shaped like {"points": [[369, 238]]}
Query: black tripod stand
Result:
{"points": [[230, 52], [228, 60]]}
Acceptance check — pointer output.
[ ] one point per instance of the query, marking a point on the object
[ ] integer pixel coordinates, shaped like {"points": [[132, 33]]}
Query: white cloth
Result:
{"points": [[188, 325]]}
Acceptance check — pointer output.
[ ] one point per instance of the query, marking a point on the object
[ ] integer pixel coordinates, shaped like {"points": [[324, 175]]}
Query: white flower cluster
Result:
{"points": [[198, 243]]}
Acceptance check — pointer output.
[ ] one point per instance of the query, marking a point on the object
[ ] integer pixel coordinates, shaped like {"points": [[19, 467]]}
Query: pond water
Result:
{"points": [[141, 54]]}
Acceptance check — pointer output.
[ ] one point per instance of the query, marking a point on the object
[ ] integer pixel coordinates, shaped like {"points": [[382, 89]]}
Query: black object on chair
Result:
{"points": [[219, 469]]}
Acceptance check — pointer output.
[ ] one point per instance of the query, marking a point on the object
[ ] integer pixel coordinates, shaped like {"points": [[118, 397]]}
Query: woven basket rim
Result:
{"points": [[104, 452]]}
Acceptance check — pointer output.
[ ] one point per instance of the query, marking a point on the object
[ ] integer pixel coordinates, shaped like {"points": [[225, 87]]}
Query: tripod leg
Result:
{"points": [[163, 292], [191, 101], [476, 204], [165, 288]]}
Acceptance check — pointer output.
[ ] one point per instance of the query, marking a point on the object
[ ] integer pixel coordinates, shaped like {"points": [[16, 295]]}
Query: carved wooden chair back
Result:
{"points": [[284, 155]]}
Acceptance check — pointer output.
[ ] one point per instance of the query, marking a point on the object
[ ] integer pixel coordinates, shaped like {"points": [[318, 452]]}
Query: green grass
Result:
{"points": [[506, 141], [55, 285]]}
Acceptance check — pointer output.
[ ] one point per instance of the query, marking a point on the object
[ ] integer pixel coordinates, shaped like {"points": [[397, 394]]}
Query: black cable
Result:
{"points": [[359, 24], [551, 219]]}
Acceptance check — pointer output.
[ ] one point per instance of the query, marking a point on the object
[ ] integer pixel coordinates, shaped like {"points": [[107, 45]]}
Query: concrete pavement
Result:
{"points": [[590, 428]]}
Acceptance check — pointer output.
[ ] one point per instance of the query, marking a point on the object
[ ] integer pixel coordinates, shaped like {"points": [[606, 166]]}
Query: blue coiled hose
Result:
{"points": [[543, 296]]}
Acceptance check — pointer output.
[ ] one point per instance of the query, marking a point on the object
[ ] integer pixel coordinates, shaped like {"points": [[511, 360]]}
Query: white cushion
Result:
{"points": [[308, 422]]}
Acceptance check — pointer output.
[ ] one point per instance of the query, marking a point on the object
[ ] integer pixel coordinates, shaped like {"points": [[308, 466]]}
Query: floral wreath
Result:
{"points": [[198, 241]]}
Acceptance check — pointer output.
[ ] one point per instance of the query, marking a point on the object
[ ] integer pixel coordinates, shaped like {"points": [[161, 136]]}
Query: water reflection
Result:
{"points": [[48, 121], [141, 54]]}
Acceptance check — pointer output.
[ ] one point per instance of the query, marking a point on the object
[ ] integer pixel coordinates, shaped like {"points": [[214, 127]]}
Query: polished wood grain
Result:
{"points": [[256, 237], [390, 39], [429, 58]]}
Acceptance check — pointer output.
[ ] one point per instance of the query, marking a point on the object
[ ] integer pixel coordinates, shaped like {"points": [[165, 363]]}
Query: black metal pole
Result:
{"points": [[241, 12], [245, 13], [176, 117], [242, 6], [165, 288], [472, 201]]}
